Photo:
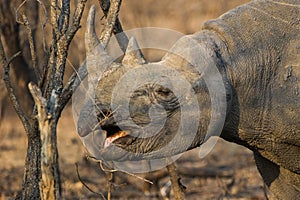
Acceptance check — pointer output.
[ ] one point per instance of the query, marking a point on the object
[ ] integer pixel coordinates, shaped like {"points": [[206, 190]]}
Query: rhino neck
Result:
{"points": [[258, 42], [198, 57]]}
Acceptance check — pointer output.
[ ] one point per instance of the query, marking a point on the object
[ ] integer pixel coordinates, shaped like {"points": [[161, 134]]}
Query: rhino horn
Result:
{"points": [[96, 54], [133, 55], [92, 42], [91, 39]]}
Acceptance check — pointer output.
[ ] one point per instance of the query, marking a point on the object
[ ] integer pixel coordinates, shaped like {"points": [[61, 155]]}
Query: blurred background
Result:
{"points": [[228, 172]]}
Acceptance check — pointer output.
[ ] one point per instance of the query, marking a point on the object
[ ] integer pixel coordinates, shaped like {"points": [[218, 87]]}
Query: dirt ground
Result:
{"points": [[227, 172]]}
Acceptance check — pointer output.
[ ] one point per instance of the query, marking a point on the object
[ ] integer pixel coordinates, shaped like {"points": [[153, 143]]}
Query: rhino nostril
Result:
{"points": [[106, 113], [103, 114], [105, 119]]}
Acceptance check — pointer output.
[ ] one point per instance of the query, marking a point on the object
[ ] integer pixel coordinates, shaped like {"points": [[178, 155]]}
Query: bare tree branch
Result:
{"points": [[17, 12], [53, 18], [20, 72], [12, 96], [111, 18], [64, 43], [110, 184], [76, 20], [72, 84], [44, 23], [86, 186], [117, 29], [32, 48], [63, 20]]}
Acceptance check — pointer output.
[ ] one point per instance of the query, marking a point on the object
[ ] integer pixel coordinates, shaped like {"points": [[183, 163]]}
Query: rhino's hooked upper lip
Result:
{"points": [[117, 136], [116, 142], [113, 133]]}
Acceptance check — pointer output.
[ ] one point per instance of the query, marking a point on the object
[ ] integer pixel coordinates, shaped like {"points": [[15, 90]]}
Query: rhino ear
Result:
{"points": [[133, 55]]}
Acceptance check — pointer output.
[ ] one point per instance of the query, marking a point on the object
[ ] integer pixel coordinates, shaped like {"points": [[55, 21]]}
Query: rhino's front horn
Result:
{"points": [[92, 42], [97, 58], [91, 39], [133, 55]]}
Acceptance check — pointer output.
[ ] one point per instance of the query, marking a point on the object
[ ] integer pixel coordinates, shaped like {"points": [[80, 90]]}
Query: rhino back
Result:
{"points": [[261, 51]]}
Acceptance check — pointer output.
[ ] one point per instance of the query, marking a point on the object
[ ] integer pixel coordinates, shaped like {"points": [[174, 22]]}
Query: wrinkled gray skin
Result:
{"points": [[256, 48]]}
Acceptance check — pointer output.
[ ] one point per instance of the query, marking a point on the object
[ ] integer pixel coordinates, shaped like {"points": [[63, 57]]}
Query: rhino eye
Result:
{"points": [[139, 93], [165, 92], [165, 95]]}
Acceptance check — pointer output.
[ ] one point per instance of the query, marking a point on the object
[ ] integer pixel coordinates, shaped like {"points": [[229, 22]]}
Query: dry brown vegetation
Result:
{"points": [[228, 172]]}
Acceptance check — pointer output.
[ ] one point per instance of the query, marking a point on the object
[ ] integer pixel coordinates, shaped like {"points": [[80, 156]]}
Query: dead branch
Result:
{"points": [[64, 43], [71, 85], [18, 10], [115, 170], [32, 48], [57, 61], [117, 29], [76, 20], [85, 185], [110, 184], [63, 19], [9, 87], [53, 18], [20, 71], [44, 23], [110, 21]]}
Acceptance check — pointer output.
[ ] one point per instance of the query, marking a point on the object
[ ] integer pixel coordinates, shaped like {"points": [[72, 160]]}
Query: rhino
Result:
{"points": [[256, 51]]}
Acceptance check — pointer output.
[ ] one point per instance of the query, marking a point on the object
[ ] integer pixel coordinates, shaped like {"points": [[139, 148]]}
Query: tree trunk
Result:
{"points": [[21, 75], [32, 174], [50, 181]]}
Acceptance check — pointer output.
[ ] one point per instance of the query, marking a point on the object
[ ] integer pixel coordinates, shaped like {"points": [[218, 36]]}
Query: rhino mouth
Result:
{"points": [[111, 137], [118, 144], [115, 135]]}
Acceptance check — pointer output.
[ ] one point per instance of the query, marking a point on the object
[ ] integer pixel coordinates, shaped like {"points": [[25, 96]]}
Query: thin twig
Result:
{"points": [[85, 185], [17, 11], [110, 184], [32, 48], [117, 170], [44, 24]]}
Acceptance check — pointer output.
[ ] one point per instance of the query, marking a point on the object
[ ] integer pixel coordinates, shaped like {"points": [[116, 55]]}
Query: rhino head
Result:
{"points": [[151, 110]]}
